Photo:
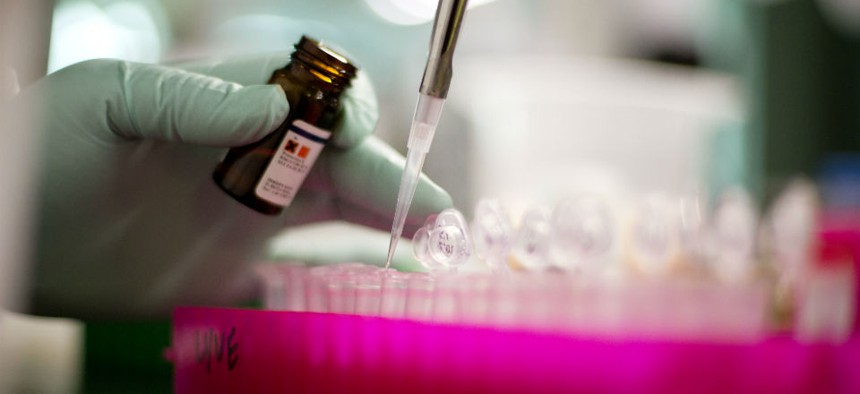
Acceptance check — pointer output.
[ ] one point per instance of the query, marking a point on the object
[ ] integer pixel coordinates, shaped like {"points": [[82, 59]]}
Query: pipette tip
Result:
{"points": [[392, 246], [424, 123]]}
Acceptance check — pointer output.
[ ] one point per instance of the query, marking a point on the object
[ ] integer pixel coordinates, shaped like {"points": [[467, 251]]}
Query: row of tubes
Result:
{"points": [[576, 268]]}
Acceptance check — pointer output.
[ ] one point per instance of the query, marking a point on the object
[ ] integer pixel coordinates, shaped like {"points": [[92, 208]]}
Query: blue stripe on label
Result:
{"points": [[304, 133]]}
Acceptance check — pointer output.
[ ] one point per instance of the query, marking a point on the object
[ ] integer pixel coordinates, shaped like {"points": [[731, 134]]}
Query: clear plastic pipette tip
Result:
{"points": [[423, 128], [408, 183]]}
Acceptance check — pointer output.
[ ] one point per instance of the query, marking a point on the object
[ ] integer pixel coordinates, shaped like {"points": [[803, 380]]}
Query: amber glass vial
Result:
{"points": [[267, 174]]}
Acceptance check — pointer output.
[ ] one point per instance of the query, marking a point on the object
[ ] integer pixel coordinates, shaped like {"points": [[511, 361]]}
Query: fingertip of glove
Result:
{"points": [[264, 108], [430, 197], [369, 175], [359, 122], [360, 113], [275, 106]]}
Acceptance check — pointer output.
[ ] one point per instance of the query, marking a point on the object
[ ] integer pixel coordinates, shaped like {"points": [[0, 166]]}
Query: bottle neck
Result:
{"points": [[309, 76], [326, 76]]}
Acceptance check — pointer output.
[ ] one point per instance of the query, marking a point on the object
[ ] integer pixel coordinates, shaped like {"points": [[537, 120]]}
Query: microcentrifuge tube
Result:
{"points": [[493, 235], [581, 233], [443, 243], [692, 229], [394, 286], [791, 225], [531, 241], [734, 232], [654, 234], [421, 245]]}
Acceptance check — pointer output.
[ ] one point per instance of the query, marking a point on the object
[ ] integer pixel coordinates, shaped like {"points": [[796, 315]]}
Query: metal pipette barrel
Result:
{"points": [[431, 98]]}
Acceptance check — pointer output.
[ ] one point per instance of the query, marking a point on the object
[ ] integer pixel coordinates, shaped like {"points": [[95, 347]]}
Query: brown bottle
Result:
{"points": [[267, 174]]}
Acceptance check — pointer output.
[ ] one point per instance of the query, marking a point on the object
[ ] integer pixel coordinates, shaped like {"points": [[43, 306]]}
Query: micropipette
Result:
{"points": [[432, 93]]}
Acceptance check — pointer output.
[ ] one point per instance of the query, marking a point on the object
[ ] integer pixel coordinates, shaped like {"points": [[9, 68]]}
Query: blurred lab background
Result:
{"points": [[548, 97]]}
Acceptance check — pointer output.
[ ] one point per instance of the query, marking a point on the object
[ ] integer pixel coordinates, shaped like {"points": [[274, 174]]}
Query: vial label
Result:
{"points": [[291, 163]]}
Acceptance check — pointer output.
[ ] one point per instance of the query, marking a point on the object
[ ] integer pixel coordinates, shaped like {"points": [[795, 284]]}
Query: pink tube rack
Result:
{"points": [[402, 351], [248, 351]]}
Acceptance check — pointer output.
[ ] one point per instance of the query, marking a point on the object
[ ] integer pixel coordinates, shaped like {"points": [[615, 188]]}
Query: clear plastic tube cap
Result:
{"points": [[581, 232], [443, 242], [493, 232]]}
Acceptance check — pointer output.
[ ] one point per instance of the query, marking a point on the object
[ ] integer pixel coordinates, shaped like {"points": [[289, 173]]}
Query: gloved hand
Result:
{"points": [[130, 221]]}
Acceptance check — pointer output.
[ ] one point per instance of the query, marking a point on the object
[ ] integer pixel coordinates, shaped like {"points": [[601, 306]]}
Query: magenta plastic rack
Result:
{"points": [[253, 351]]}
